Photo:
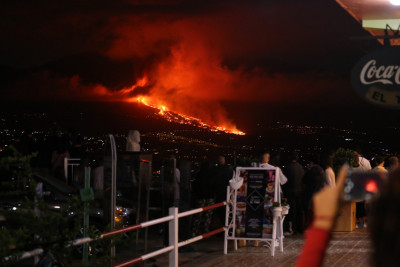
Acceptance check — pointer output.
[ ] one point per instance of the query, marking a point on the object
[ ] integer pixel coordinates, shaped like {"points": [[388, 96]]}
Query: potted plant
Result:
{"points": [[342, 156], [285, 207], [276, 209]]}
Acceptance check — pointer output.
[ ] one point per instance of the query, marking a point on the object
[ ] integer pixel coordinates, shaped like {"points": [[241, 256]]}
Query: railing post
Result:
{"points": [[85, 254], [113, 187], [66, 169], [227, 210], [173, 237]]}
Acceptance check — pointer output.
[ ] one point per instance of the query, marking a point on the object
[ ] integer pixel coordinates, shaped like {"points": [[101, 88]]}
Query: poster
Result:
{"points": [[254, 217]]}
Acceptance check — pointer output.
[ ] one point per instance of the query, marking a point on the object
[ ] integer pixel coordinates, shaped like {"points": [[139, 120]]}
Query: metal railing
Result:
{"points": [[174, 245]]}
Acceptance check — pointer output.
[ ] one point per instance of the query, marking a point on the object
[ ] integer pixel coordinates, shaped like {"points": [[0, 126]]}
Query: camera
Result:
{"points": [[361, 186]]}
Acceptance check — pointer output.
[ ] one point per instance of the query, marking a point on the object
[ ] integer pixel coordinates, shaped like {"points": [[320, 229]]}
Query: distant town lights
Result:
{"points": [[395, 2]]}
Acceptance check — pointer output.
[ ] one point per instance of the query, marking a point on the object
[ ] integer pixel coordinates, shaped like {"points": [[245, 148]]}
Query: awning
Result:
{"points": [[375, 15]]}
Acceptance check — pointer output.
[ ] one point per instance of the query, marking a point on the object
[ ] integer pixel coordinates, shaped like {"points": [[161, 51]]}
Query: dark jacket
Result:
{"points": [[204, 183], [294, 173], [314, 180], [222, 174]]}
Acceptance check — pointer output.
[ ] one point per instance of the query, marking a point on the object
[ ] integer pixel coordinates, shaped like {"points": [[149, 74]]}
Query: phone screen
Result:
{"points": [[362, 185]]}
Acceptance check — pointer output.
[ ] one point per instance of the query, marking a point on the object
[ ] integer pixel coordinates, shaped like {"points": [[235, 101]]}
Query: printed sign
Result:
{"points": [[376, 77], [254, 216]]}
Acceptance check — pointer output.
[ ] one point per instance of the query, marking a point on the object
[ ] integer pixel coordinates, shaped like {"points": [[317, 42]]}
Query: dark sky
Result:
{"points": [[191, 56]]}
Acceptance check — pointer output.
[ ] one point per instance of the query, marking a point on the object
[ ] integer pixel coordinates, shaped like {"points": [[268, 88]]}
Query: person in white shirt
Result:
{"points": [[327, 164], [364, 164], [361, 206], [279, 175], [264, 164], [330, 177]]}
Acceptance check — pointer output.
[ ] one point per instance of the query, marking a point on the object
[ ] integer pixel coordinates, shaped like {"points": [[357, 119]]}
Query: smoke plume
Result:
{"points": [[186, 56]]}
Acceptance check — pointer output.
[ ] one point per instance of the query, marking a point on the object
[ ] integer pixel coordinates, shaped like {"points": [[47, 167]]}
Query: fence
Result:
{"points": [[174, 245]]}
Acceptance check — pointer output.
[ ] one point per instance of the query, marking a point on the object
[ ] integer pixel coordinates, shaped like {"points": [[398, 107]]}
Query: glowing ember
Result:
{"points": [[182, 118]]}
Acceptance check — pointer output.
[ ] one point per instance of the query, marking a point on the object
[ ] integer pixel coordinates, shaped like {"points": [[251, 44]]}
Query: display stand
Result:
{"points": [[249, 211]]}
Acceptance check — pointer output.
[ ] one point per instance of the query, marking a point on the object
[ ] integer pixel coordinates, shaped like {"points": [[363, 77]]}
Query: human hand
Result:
{"points": [[326, 202]]}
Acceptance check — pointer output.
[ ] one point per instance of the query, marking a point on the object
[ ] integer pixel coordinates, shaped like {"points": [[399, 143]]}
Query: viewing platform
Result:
{"points": [[345, 249]]}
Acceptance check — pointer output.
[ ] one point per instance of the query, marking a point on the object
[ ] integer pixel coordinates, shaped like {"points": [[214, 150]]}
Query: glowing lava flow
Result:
{"points": [[184, 119]]}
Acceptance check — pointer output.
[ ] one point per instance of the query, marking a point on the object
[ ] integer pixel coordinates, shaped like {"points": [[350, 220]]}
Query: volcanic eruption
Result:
{"points": [[184, 59]]}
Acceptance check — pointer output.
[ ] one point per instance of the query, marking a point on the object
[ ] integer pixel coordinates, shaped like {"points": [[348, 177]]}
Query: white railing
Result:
{"points": [[174, 245], [70, 164]]}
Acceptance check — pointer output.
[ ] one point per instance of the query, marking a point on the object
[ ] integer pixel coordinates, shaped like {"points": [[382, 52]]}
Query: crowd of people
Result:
{"points": [[299, 184], [314, 193], [304, 183], [209, 187]]}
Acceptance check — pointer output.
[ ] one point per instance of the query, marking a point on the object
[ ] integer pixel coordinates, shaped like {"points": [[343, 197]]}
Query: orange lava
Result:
{"points": [[172, 116]]}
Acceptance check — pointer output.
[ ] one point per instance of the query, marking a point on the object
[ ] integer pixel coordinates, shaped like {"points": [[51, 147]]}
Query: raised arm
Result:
{"points": [[325, 205]]}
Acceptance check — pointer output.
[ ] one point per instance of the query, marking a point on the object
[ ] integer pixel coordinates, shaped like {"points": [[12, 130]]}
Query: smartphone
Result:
{"points": [[361, 186]]}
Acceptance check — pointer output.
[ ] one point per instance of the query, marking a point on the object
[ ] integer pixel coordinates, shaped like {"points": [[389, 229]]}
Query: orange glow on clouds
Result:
{"points": [[174, 106], [181, 67]]}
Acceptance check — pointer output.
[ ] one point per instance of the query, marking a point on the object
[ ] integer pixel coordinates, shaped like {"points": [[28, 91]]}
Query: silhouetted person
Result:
{"points": [[361, 164], [171, 181], [393, 163], [314, 181], [222, 173], [204, 195], [293, 192]]}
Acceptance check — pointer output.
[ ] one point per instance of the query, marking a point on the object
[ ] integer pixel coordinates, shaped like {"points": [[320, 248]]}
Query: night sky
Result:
{"points": [[202, 58]]}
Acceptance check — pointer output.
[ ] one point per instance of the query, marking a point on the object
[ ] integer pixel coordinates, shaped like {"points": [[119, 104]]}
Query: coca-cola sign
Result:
{"points": [[376, 77]]}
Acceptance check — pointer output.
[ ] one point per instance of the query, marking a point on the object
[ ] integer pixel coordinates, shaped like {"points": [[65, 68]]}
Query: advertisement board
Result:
{"points": [[254, 201]]}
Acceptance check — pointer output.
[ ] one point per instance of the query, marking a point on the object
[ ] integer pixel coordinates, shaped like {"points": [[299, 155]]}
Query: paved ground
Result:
{"points": [[345, 249]]}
